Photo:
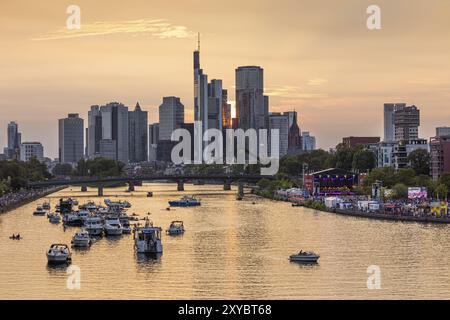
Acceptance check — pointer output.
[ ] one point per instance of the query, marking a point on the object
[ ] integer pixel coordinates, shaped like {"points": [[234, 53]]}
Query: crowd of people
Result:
{"points": [[12, 199]]}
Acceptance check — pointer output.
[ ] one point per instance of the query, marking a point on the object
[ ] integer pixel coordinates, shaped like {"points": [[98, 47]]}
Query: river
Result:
{"points": [[230, 250]]}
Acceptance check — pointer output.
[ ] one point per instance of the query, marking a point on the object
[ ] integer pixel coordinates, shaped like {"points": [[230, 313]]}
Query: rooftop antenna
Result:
{"points": [[198, 49]]}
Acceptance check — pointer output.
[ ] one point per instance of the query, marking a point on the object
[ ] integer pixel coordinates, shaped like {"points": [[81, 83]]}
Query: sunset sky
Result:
{"points": [[318, 56]]}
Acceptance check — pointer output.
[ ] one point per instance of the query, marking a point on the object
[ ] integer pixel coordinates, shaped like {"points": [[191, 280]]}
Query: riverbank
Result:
{"points": [[22, 199]]}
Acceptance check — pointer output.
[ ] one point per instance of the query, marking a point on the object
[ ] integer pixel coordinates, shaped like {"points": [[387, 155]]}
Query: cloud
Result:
{"points": [[157, 28], [292, 92]]}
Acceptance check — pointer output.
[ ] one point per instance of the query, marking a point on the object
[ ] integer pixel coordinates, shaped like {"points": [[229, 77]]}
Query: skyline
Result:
{"points": [[319, 61]]}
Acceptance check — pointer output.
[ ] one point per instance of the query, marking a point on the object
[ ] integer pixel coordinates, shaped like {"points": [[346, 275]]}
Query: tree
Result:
{"points": [[419, 161], [363, 160], [445, 180], [400, 191], [62, 169], [405, 176], [441, 191], [344, 157]]}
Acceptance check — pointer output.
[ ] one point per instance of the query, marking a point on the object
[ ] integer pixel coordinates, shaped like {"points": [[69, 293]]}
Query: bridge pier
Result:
{"points": [[100, 191], [241, 188], [138, 183], [227, 185], [84, 188], [130, 186], [180, 186]]}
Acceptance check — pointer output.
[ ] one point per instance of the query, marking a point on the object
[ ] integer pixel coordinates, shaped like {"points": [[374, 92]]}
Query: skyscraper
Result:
{"points": [[406, 123], [200, 91], [138, 135], [308, 141], [12, 151], [94, 131], [280, 122], [153, 138], [389, 126], [31, 149], [226, 111], [71, 139], [114, 143], [215, 101], [251, 104], [171, 117], [295, 143]]}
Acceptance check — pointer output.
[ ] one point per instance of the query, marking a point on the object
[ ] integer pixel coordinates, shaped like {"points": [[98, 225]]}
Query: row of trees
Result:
{"points": [[15, 174], [98, 167]]}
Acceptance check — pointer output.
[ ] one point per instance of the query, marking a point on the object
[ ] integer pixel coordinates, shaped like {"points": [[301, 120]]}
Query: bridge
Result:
{"points": [[132, 181]]}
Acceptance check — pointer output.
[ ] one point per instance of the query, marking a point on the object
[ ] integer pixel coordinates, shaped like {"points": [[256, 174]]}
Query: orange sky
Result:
{"points": [[318, 56]]}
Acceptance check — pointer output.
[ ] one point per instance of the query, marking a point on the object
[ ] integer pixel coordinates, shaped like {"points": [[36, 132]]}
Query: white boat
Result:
{"points": [[81, 239], [112, 226], [147, 239], [72, 219], [83, 214], [176, 227], [94, 225], [39, 211], [58, 253], [54, 217], [304, 256], [46, 206], [125, 222], [90, 206]]}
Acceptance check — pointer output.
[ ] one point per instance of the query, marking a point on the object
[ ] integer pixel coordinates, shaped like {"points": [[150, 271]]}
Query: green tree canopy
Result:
{"points": [[419, 161]]}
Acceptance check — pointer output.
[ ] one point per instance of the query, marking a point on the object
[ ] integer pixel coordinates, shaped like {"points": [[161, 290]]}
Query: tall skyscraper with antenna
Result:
{"points": [[200, 91]]}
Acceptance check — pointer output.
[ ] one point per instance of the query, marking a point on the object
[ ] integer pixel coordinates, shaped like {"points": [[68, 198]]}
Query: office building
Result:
{"points": [[201, 99], [406, 123], [94, 132], [12, 151], [153, 138], [442, 131], [215, 101], [308, 141], [440, 156], [403, 149], [171, 117], [138, 135], [251, 104], [280, 122], [389, 126], [30, 150], [294, 139], [226, 111], [115, 131], [71, 139]]}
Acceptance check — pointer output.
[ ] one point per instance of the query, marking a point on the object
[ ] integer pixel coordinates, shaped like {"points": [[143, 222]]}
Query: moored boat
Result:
{"points": [[94, 225], [112, 226], [81, 239], [59, 253], [54, 218], [39, 211], [186, 201], [305, 257], [175, 228], [147, 239]]}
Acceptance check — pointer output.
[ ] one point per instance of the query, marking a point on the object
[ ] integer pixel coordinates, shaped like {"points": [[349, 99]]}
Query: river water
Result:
{"points": [[230, 250]]}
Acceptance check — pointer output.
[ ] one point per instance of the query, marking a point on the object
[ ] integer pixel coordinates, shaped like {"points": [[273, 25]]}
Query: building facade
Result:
{"points": [[389, 126], [12, 151], [442, 131], [406, 123], [280, 122], [251, 104], [115, 132], [215, 102], [353, 142], [171, 117], [138, 135], [31, 149], [226, 111], [404, 148], [71, 139], [94, 132], [308, 141], [153, 138], [440, 156]]}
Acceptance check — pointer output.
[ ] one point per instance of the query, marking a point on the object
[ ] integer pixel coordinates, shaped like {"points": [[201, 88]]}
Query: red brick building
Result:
{"points": [[440, 156], [357, 141]]}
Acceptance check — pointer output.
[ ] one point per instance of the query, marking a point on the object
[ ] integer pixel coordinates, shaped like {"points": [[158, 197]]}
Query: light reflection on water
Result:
{"points": [[231, 250]]}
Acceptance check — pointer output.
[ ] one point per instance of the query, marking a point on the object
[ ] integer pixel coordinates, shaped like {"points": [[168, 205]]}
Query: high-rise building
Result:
{"points": [[215, 104], [280, 122], [226, 111], [389, 126], [71, 139], [31, 149], [153, 138], [308, 141], [201, 112], [171, 117], [403, 149], [138, 135], [252, 107], [12, 151], [295, 141], [442, 131], [406, 123], [94, 132], [440, 156], [114, 132]]}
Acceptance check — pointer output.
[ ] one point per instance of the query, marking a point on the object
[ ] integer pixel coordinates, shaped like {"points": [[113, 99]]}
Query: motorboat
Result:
{"points": [[90, 206], [147, 239], [72, 219], [175, 228], [125, 222], [305, 257], [121, 204], [39, 211], [81, 239], [94, 225], [59, 253], [16, 237], [46, 206], [54, 217], [83, 215], [112, 226], [186, 201], [149, 194]]}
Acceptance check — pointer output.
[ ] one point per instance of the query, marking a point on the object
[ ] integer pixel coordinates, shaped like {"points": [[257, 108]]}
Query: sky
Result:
{"points": [[319, 58]]}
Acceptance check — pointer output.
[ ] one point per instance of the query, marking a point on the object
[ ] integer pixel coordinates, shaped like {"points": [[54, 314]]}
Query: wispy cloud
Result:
{"points": [[157, 28], [292, 92]]}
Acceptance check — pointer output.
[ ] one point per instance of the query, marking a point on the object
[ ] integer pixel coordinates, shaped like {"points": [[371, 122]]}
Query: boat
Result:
{"points": [[304, 256], [112, 226], [39, 211], [58, 253], [16, 237], [54, 217], [175, 228], [125, 222], [94, 225], [46, 206], [239, 197], [89, 206], [149, 194], [81, 239], [72, 219], [186, 201], [147, 239], [297, 204]]}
